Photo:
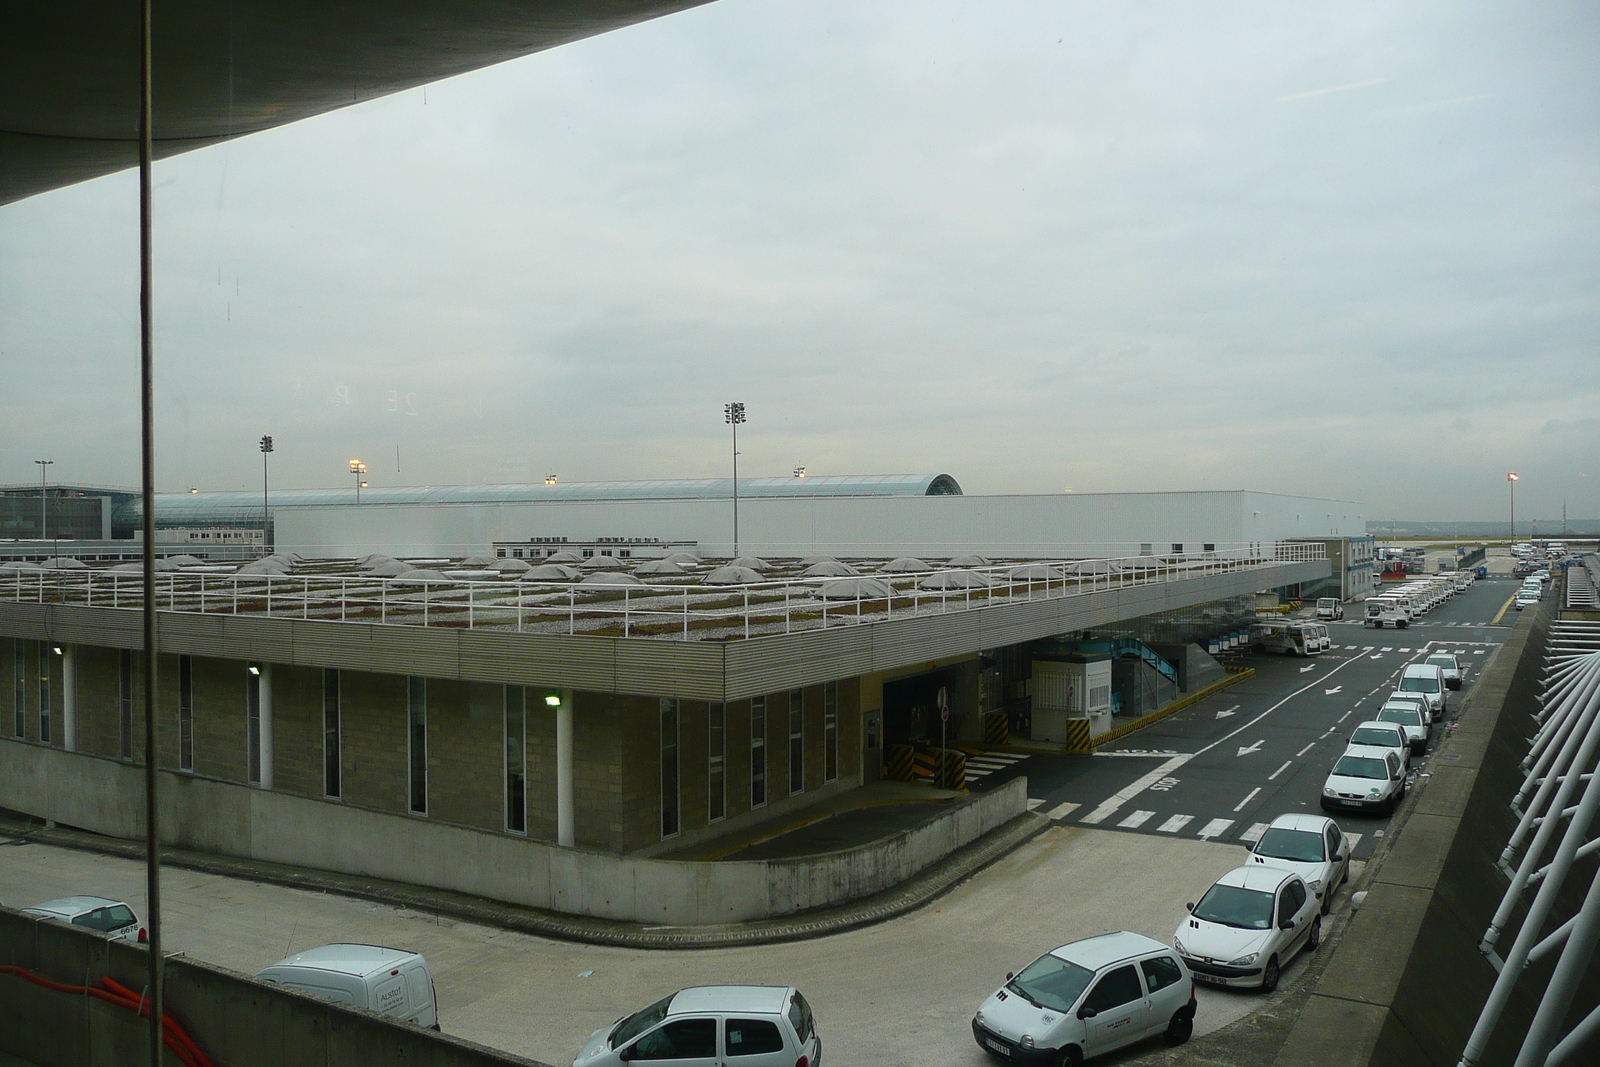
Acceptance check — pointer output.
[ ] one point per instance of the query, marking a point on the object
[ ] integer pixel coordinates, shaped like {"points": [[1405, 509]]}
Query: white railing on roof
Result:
{"points": [[669, 608]]}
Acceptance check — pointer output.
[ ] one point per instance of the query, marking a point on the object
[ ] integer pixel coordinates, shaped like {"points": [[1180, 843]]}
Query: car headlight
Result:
{"points": [[1315, 885], [1179, 946], [978, 1018], [1245, 960], [1026, 1042], [1376, 790]]}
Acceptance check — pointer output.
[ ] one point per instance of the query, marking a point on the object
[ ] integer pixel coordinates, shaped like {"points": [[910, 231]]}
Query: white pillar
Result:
{"points": [[265, 692], [566, 835], [69, 699]]}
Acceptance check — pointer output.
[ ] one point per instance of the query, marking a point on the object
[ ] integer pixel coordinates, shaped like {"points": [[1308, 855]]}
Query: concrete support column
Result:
{"points": [[566, 823], [69, 698], [266, 725]]}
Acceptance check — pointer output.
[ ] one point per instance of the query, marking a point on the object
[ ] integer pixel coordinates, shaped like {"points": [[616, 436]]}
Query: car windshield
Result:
{"points": [[1051, 982], [1232, 905], [1419, 685], [108, 919], [1442, 662], [1375, 735], [1301, 846], [1361, 767], [1403, 716], [639, 1022]]}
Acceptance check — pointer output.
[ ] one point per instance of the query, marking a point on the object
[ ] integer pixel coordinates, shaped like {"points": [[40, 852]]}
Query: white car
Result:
{"points": [[1365, 779], [1428, 681], [1250, 923], [1527, 598], [1376, 733], [1311, 846], [1087, 998], [1410, 716], [391, 981], [110, 917], [1449, 666], [740, 1025]]}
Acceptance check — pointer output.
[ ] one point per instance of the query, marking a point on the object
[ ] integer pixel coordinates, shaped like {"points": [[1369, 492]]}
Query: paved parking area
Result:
{"points": [[900, 993]]}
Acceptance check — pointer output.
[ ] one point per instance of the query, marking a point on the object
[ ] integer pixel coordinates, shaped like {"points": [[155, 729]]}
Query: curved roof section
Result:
{"points": [[244, 508]]}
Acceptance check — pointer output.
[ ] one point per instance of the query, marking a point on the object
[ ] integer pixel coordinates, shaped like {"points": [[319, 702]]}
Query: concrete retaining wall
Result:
{"points": [[206, 815], [236, 1021]]}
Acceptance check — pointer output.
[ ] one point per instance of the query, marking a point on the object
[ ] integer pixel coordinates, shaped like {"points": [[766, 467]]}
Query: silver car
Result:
{"points": [[110, 917], [751, 1026]]}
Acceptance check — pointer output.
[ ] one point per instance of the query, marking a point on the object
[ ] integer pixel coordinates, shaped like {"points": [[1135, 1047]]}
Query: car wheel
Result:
{"points": [[1314, 938], [1071, 1056], [1180, 1029], [1402, 624], [1269, 977]]}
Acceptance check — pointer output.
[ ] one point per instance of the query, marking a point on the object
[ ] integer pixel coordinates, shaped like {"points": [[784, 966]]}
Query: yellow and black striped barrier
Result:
{"points": [[924, 763], [1078, 736], [899, 763], [952, 769], [997, 728]]}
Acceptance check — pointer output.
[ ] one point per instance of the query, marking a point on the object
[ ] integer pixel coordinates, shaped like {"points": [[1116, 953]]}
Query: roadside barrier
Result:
{"points": [[996, 728], [1078, 736], [899, 763], [112, 992]]}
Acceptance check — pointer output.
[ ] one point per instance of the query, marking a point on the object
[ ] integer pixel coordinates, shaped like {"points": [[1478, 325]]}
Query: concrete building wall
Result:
{"points": [[1054, 525]]}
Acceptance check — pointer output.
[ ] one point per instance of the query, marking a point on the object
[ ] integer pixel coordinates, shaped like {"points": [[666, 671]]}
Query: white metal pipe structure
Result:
{"points": [[69, 698], [566, 821], [1570, 738], [264, 707]]}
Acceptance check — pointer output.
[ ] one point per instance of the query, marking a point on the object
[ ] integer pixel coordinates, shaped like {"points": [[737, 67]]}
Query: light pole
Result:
{"points": [[1513, 479], [734, 414], [266, 516], [44, 524], [359, 469]]}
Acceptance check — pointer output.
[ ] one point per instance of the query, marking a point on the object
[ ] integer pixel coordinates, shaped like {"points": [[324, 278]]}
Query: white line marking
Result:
{"points": [[1252, 835], [1248, 798], [1345, 716], [1354, 839], [1215, 828], [1061, 811], [1280, 770], [1405, 650], [1116, 800], [1176, 823], [1035, 802], [1136, 820], [1303, 751], [1245, 726]]}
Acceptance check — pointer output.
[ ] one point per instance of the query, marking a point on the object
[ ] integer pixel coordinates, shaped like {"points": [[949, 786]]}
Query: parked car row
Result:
{"points": [[1532, 590], [1401, 605]]}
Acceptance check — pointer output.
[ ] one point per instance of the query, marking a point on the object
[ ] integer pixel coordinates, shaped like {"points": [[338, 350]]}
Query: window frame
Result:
{"points": [[416, 745], [797, 741], [46, 650], [332, 754], [716, 761], [1138, 984], [186, 714], [19, 687], [830, 732], [125, 703], [515, 759], [252, 727], [758, 752], [671, 767]]}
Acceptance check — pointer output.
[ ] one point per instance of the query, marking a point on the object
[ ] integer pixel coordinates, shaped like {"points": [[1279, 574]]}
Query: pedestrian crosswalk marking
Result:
{"points": [[1035, 802], [1252, 835], [1061, 811], [989, 762], [1136, 820], [1354, 839], [1174, 824], [1215, 828]]}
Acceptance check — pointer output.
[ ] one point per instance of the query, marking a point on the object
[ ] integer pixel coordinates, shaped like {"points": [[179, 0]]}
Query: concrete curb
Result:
{"points": [[925, 886]]}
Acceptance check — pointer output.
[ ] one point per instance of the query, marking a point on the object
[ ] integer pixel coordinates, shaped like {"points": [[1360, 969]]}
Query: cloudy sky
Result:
{"points": [[1327, 248]]}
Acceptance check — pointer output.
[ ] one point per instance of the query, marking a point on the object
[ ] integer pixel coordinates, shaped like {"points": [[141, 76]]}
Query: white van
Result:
{"points": [[1386, 611], [392, 981]]}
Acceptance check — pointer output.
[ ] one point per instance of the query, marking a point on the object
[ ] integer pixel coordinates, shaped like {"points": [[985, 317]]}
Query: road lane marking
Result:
{"points": [[1227, 712], [1176, 823], [1116, 800], [1215, 828], [1061, 811], [1303, 751], [1330, 692], [1354, 839], [1248, 798], [1345, 716], [1280, 770], [1245, 726], [1136, 820], [1246, 750], [1252, 835]]}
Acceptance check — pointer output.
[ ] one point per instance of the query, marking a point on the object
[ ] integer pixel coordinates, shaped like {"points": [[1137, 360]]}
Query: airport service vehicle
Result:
{"points": [[110, 917], [1428, 680], [1085, 999], [393, 981], [1375, 733], [702, 1026], [1311, 846], [1365, 779], [1449, 666], [1329, 607], [1410, 716], [1386, 611], [1247, 926], [1287, 636], [1324, 641]]}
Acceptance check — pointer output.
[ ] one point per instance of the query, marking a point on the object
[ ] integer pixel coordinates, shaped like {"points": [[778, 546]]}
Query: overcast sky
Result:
{"points": [[1338, 249]]}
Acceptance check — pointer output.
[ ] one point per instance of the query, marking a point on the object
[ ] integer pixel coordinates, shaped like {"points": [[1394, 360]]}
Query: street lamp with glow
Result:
{"points": [[1513, 480], [359, 469], [733, 414]]}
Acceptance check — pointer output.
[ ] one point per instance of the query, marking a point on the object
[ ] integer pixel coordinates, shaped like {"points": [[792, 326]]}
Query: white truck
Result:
{"points": [[1386, 611]]}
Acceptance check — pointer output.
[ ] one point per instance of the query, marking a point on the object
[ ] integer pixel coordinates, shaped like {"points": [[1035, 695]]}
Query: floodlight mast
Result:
{"points": [[734, 414], [44, 521], [266, 516], [1512, 480], [359, 469]]}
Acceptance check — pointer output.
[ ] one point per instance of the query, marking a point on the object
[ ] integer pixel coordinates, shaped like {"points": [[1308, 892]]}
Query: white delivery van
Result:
{"points": [[392, 981], [1329, 607]]}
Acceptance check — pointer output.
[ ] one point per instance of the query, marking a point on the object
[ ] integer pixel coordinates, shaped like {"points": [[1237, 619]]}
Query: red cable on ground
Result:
{"points": [[172, 1032]]}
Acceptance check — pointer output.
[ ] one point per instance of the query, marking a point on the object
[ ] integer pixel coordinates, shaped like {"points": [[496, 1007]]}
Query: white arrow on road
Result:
{"points": [[1230, 711], [1253, 748], [1378, 656], [1330, 692], [1310, 668]]}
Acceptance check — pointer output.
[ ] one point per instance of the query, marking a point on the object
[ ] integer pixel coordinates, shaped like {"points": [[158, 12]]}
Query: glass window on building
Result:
{"points": [[716, 762], [185, 713], [758, 751], [516, 760], [669, 767], [46, 650], [252, 701], [332, 736], [19, 673], [125, 703], [797, 740], [417, 742], [830, 731], [1177, 547]]}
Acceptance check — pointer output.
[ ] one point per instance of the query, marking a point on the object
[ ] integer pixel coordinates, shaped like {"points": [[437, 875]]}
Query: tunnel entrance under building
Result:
{"points": [[911, 708]]}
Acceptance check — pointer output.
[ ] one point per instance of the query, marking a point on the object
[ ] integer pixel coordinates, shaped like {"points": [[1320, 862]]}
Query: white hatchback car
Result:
{"points": [[1365, 779], [1311, 846], [703, 1026], [1412, 717], [1378, 734], [1449, 665], [1250, 923], [1427, 681], [110, 917]]}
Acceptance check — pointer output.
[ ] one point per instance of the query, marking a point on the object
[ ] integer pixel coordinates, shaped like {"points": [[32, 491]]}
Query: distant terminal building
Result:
{"points": [[395, 692]]}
